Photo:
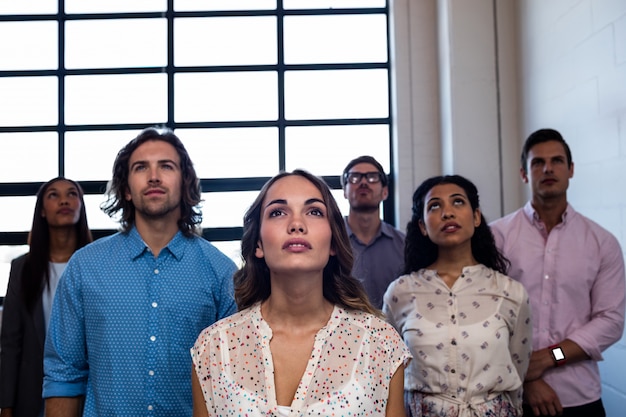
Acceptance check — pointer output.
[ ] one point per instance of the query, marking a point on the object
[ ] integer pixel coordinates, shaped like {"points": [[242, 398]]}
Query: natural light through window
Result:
{"points": [[251, 87]]}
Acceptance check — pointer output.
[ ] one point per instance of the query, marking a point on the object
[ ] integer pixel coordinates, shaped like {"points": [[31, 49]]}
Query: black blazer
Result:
{"points": [[21, 358]]}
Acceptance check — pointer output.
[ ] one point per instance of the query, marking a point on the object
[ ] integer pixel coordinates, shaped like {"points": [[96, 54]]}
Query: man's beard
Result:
{"points": [[158, 212], [364, 208]]}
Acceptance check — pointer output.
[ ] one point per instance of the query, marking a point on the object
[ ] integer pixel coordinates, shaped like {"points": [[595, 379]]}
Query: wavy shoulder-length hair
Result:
{"points": [[36, 273], [190, 213], [420, 251], [252, 281]]}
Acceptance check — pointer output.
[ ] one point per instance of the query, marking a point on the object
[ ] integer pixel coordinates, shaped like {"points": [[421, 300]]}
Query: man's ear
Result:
{"points": [[524, 175], [385, 192]]}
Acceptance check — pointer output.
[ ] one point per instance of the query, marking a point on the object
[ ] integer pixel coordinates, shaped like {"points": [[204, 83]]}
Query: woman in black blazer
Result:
{"points": [[59, 229]]}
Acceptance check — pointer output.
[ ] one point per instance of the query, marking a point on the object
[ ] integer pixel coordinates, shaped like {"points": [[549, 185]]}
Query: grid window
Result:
{"points": [[251, 87]]}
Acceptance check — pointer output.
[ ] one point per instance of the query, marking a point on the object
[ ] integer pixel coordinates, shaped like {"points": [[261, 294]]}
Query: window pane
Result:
{"points": [[28, 101], [232, 249], [89, 156], [17, 213], [187, 5], [336, 94], [28, 7], [225, 41], [214, 151], [331, 4], [114, 6], [342, 202], [96, 218], [116, 43], [226, 209], [28, 45], [128, 98], [365, 41], [7, 254], [223, 96], [307, 147], [31, 156]]}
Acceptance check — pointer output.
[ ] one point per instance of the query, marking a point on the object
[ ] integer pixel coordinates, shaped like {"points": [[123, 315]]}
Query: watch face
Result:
{"points": [[558, 354]]}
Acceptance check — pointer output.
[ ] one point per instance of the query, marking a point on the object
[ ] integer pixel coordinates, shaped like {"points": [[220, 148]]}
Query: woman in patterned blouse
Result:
{"points": [[306, 340], [467, 324]]}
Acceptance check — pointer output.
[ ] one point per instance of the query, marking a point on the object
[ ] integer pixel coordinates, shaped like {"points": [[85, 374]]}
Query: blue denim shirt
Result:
{"points": [[123, 322]]}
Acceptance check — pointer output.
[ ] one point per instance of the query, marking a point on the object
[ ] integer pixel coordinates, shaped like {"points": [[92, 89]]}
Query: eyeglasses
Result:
{"points": [[355, 177]]}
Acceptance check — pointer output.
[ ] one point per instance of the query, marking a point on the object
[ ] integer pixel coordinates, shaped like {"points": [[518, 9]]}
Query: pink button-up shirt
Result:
{"points": [[575, 280]]}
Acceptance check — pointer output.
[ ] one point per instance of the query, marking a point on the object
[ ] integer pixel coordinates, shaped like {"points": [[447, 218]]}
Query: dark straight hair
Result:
{"points": [[36, 272]]}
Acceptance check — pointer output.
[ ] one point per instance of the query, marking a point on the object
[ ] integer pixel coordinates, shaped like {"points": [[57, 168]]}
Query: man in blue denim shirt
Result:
{"points": [[129, 306]]}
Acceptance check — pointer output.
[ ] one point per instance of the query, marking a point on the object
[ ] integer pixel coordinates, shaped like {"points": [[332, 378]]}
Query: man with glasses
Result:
{"points": [[377, 246]]}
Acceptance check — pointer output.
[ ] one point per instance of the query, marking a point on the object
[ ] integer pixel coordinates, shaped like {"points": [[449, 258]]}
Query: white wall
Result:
{"points": [[573, 79], [474, 78]]}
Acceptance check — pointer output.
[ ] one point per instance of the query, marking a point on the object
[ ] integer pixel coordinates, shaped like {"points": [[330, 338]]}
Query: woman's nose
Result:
{"points": [[296, 226]]}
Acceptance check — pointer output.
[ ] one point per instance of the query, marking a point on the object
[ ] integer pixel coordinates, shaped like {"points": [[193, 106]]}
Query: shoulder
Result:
{"points": [[581, 221], [504, 223], [514, 289], [392, 231], [103, 244], [374, 325], [403, 282], [210, 254], [18, 263], [238, 319]]}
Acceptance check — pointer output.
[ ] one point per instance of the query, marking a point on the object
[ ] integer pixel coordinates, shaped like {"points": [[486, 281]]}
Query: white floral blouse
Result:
{"points": [[471, 343], [353, 359]]}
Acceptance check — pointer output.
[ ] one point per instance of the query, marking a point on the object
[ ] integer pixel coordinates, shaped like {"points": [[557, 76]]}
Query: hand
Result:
{"points": [[542, 399], [540, 361]]}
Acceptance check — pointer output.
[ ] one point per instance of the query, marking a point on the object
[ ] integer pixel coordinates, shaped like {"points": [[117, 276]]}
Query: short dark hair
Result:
{"points": [[365, 159], [252, 281], [541, 136], [420, 251], [191, 215]]}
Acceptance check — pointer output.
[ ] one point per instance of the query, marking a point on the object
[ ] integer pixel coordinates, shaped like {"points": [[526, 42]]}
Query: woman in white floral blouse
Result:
{"points": [[306, 341], [467, 324]]}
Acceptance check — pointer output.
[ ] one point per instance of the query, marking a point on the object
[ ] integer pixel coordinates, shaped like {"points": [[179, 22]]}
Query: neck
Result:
{"points": [[364, 225], [156, 233], [451, 261], [296, 301], [62, 244], [550, 211]]}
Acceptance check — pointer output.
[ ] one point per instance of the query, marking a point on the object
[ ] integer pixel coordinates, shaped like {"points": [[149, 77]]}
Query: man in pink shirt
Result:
{"points": [[573, 270]]}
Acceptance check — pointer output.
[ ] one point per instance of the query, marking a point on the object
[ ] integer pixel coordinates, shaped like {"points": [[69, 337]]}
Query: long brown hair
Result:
{"points": [[252, 281], [36, 272]]}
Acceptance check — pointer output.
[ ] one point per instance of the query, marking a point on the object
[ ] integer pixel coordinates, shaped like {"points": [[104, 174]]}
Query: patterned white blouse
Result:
{"points": [[353, 359], [471, 343]]}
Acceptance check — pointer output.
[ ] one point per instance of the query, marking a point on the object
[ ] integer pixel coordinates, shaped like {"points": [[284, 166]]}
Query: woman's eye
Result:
{"points": [[433, 206], [275, 213], [317, 212], [459, 202]]}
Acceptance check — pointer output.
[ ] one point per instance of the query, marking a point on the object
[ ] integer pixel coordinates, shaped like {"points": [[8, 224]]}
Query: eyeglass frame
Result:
{"points": [[372, 177]]}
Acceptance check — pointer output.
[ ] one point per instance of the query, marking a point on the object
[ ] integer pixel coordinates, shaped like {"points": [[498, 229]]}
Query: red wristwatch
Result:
{"points": [[558, 356]]}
